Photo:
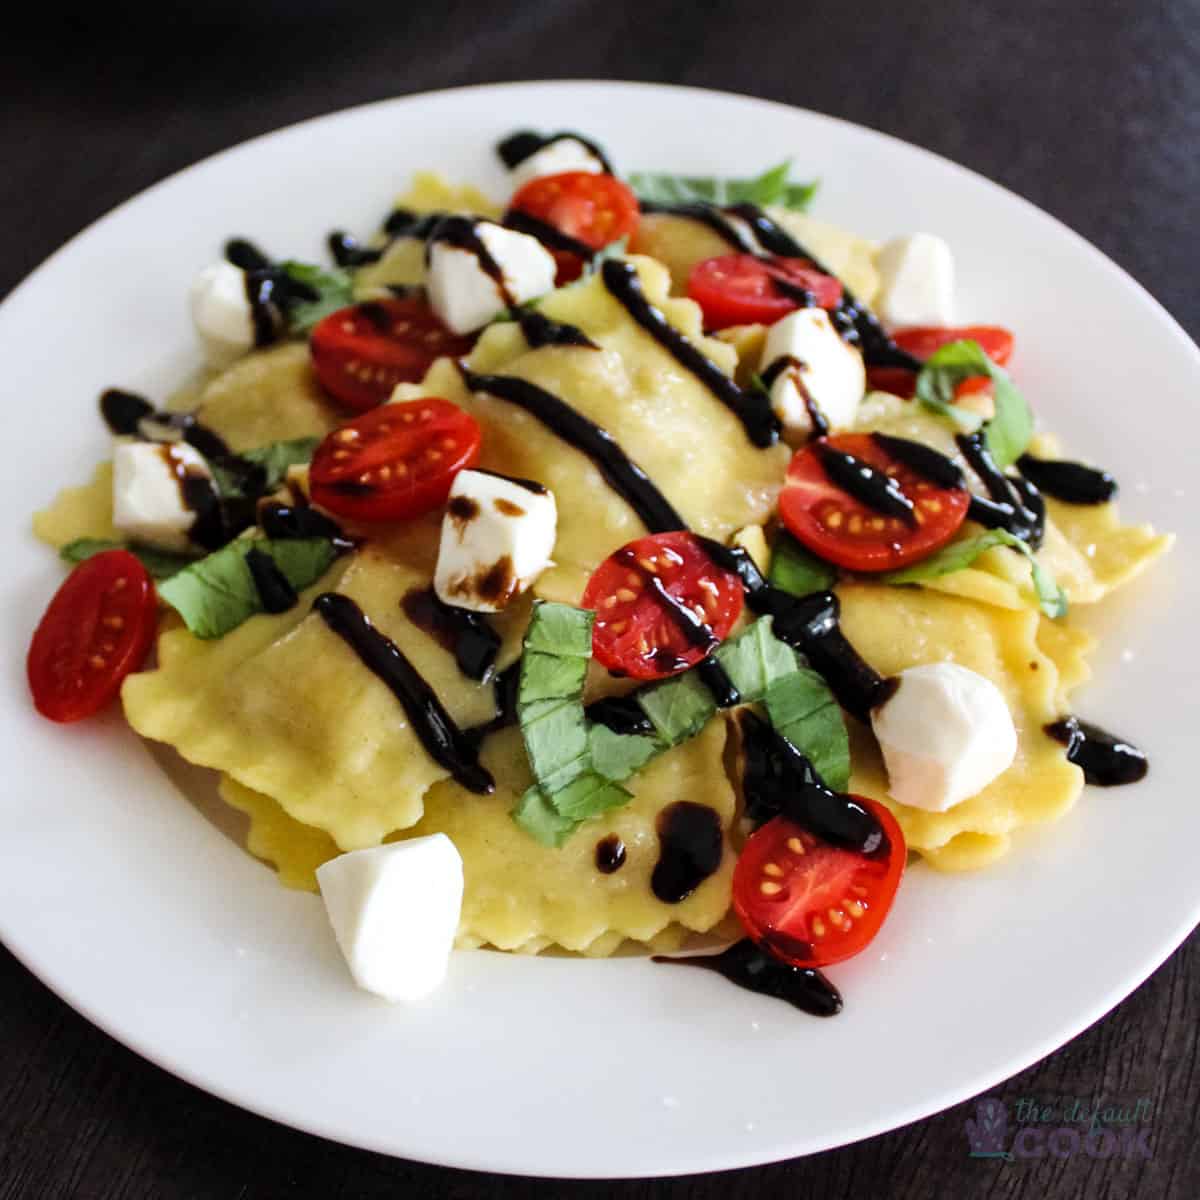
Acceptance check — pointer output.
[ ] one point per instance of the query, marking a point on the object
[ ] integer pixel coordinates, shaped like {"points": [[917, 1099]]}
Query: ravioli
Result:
{"points": [[79, 512], [269, 396], [1086, 547], [685, 439], [680, 242], [284, 706], [520, 895], [1032, 661]]}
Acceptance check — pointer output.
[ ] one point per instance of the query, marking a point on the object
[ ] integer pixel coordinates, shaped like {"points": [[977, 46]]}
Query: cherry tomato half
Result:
{"points": [[594, 209], [743, 289], [811, 903], [638, 593], [842, 530], [394, 462], [921, 341], [360, 353], [96, 630]]}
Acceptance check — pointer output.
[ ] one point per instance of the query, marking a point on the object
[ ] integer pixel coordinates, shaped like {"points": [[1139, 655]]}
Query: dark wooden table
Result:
{"points": [[1092, 110]]}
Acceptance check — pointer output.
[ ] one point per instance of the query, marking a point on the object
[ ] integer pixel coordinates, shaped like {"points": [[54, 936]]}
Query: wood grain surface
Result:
{"points": [[1091, 110]]}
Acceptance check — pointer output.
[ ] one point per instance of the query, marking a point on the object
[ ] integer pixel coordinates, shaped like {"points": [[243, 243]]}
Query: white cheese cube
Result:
{"points": [[916, 281], [562, 154], [221, 313], [818, 362], [394, 911], [148, 492], [466, 297], [497, 538], [945, 733]]}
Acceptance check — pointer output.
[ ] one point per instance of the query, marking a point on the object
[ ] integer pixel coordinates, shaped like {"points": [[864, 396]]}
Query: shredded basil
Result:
{"points": [[1052, 600], [797, 571], [160, 563], [1009, 431], [334, 289], [771, 187]]}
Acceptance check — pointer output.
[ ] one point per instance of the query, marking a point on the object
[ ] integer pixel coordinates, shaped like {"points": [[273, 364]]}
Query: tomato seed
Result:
{"points": [[770, 889]]}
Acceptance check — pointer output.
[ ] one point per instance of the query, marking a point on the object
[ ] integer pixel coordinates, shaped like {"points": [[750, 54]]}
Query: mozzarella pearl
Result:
{"points": [[556, 157], [466, 297], [497, 538], [148, 505], [221, 313], [945, 733], [916, 281], [394, 911], [821, 363]]}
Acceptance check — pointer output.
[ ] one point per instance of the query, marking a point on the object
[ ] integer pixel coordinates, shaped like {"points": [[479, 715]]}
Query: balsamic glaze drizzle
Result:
{"points": [[694, 628], [270, 290], [540, 330], [403, 222], [473, 642], [621, 714], [750, 967], [462, 233], [610, 854], [347, 251], [925, 460], [879, 350], [1070, 482], [297, 521], [789, 362], [690, 850], [874, 488], [752, 408], [625, 477], [809, 624], [275, 590], [504, 687], [129, 415], [519, 146], [549, 235], [443, 740], [779, 778], [706, 214], [1015, 505], [1105, 759]]}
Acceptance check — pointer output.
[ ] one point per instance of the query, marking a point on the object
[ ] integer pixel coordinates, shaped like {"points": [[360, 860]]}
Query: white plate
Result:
{"points": [[136, 910]]}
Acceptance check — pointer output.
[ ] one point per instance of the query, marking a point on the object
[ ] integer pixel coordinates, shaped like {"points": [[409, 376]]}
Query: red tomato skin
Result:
{"points": [[634, 636], [359, 361], [922, 340], [805, 934], [421, 457], [591, 208], [997, 343], [809, 496], [740, 289], [78, 657]]}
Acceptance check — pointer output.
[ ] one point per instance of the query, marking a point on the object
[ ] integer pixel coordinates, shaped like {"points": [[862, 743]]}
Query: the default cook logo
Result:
{"points": [[1033, 1128]]}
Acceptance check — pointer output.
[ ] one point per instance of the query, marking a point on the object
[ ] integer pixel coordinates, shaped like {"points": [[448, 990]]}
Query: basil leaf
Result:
{"points": [[334, 289], [680, 707], [275, 458], [957, 556], [616, 756], [558, 645], [216, 594], [160, 563], [534, 813], [1009, 431], [802, 708], [578, 766], [796, 571], [771, 187]]}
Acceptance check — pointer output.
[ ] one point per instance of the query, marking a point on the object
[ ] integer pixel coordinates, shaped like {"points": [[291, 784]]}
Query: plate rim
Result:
{"points": [[727, 1157]]}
